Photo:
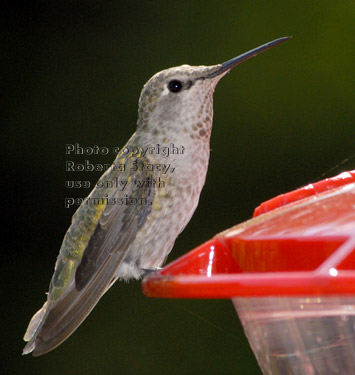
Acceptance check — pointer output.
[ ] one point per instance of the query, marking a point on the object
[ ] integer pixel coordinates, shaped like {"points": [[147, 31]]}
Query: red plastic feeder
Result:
{"points": [[290, 272]]}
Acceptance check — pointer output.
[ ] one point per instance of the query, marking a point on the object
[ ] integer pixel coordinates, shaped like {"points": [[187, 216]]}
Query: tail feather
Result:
{"points": [[55, 322], [33, 327]]}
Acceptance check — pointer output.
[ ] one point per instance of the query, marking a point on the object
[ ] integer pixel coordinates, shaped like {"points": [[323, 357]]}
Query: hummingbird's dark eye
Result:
{"points": [[174, 85]]}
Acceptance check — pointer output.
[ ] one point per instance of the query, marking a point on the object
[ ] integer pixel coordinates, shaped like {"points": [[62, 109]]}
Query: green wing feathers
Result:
{"points": [[95, 245]]}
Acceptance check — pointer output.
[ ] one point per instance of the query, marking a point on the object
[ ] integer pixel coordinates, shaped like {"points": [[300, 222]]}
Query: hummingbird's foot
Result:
{"points": [[147, 272]]}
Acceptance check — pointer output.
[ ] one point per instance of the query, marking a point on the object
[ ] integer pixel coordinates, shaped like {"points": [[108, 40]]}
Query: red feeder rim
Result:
{"points": [[302, 244], [304, 192]]}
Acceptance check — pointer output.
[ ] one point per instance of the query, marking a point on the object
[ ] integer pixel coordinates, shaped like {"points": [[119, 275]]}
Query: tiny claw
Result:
{"points": [[150, 271]]}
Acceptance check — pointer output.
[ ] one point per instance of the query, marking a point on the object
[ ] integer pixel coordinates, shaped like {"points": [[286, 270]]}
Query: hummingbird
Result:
{"points": [[125, 233]]}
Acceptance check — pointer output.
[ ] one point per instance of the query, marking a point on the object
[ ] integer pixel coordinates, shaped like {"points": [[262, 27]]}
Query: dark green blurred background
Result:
{"points": [[72, 71]]}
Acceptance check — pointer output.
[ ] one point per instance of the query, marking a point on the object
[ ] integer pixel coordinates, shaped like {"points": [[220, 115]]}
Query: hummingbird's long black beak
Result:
{"points": [[230, 64]]}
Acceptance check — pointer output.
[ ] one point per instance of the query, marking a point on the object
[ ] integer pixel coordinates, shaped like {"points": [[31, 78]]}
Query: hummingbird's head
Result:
{"points": [[179, 100], [176, 99]]}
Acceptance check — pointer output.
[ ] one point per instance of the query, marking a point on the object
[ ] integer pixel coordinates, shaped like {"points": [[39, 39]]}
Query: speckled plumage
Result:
{"points": [[108, 240]]}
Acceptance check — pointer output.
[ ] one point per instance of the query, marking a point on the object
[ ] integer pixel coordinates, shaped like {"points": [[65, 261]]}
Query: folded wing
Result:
{"points": [[116, 229]]}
